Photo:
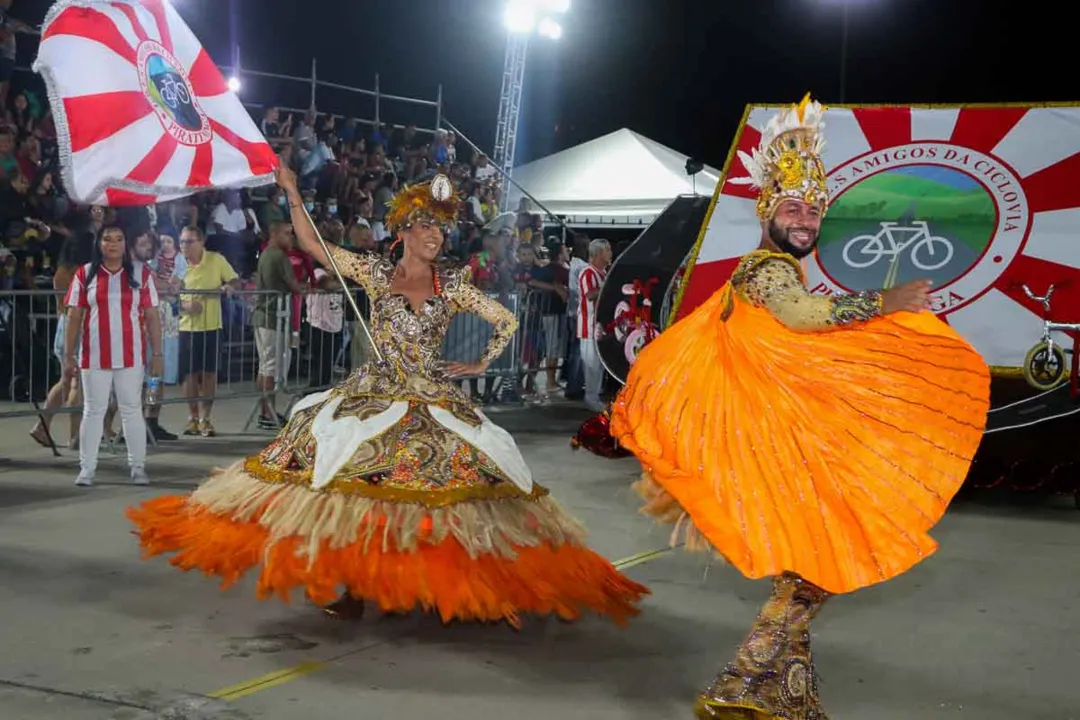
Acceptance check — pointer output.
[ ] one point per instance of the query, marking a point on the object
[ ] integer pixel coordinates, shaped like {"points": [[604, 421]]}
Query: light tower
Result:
{"points": [[522, 19]]}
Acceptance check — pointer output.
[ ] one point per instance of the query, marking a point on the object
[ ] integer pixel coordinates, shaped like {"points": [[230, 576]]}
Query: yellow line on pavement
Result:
{"points": [[264, 682], [642, 557], [280, 677]]}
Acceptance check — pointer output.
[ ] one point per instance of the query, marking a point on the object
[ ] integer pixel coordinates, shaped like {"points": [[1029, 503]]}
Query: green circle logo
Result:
{"points": [[907, 223]]}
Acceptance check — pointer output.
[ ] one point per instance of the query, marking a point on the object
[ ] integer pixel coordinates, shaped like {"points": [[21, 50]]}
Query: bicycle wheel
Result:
{"points": [[621, 309], [864, 246], [638, 338], [168, 95], [1044, 366], [937, 259]]}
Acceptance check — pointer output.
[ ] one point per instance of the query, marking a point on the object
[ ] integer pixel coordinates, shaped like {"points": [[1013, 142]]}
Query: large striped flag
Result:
{"points": [[980, 200], [142, 112]]}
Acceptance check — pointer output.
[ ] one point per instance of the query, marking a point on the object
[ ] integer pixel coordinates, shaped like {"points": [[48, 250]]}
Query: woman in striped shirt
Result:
{"points": [[116, 311]]}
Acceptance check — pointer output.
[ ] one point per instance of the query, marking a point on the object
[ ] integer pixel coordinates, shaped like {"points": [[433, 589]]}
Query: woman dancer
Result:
{"points": [[392, 485]]}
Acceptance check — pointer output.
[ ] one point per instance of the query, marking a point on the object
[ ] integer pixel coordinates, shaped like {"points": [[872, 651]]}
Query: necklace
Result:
{"points": [[436, 284]]}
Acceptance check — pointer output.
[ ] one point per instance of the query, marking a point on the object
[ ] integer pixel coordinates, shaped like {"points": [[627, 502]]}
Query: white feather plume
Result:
{"points": [[756, 171], [785, 121]]}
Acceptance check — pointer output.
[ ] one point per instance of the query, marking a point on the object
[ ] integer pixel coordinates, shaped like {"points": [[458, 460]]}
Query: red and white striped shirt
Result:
{"points": [[113, 337], [590, 279]]}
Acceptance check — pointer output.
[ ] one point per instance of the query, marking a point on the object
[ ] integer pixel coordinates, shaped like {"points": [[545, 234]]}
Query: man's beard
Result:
{"points": [[782, 239]]}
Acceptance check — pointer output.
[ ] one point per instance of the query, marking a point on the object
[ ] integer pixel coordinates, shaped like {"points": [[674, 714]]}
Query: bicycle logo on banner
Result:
{"points": [[927, 252]]}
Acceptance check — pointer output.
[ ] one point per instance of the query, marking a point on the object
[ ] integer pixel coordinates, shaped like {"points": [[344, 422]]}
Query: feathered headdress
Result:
{"points": [[434, 201], [787, 163]]}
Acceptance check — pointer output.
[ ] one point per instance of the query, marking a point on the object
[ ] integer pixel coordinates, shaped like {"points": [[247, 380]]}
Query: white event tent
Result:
{"points": [[622, 179]]}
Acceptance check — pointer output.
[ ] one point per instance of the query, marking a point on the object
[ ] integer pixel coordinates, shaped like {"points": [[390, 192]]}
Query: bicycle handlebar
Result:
{"points": [[1044, 299]]}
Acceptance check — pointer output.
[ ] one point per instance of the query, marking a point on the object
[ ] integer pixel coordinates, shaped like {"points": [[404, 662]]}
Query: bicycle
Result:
{"points": [[174, 93], [1045, 363], [921, 242], [633, 325]]}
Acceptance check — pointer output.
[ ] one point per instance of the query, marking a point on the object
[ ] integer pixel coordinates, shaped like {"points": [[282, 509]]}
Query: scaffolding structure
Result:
{"points": [[314, 82], [377, 95], [506, 127]]}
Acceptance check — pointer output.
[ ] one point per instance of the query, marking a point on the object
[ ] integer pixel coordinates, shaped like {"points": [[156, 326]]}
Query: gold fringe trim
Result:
{"points": [[481, 526], [428, 498], [666, 510]]}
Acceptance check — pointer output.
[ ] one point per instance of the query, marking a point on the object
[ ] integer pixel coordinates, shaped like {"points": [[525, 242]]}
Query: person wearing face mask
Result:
{"points": [[814, 440], [275, 210], [393, 487]]}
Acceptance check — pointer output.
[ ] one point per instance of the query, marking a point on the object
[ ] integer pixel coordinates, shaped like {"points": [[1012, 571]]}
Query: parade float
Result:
{"points": [[981, 200]]}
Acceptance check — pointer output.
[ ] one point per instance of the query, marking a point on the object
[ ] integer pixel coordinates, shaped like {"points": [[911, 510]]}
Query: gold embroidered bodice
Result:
{"points": [[774, 281], [411, 341], [417, 455]]}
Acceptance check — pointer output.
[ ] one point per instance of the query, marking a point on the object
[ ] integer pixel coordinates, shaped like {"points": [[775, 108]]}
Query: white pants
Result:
{"points": [[97, 385], [594, 370]]}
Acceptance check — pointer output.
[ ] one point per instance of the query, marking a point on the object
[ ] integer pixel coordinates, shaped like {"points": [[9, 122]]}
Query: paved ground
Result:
{"points": [[987, 629]]}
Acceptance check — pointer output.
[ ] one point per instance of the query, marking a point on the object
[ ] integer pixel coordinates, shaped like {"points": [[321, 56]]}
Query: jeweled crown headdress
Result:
{"points": [[434, 201], [787, 163]]}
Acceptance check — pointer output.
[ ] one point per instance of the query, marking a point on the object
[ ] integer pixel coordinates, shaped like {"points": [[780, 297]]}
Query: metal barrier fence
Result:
{"points": [[313, 342]]}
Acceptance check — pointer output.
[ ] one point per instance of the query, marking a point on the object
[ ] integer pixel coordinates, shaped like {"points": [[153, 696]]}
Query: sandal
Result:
{"points": [[41, 436]]}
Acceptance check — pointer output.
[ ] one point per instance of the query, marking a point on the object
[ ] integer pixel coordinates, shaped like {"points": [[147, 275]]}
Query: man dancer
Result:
{"points": [[814, 440]]}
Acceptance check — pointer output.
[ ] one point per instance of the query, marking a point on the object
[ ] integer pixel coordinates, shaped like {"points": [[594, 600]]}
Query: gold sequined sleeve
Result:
{"points": [[469, 299], [776, 285], [355, 266]]}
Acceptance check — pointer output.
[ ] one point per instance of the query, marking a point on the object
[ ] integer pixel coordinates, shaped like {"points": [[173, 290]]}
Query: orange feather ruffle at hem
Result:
{"points": [[547, 578]]}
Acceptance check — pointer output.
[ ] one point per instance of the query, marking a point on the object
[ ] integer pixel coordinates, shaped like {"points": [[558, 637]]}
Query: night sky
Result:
{"points": [[677, 71]]}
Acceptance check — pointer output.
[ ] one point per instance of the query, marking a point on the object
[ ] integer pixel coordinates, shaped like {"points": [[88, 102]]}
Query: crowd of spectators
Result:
{"points": [[348, 171]]}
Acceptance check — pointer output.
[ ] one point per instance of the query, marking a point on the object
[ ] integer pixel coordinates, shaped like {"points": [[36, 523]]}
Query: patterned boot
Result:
{"points": [[772, 676]]}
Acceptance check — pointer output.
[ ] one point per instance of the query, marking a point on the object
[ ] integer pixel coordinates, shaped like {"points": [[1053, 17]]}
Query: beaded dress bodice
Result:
{"points": [[410, 340], [416, 452]]}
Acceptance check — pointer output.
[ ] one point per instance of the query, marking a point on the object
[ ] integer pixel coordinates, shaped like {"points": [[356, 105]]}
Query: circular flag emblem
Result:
{"points": [[169, 91], [933, 211]]}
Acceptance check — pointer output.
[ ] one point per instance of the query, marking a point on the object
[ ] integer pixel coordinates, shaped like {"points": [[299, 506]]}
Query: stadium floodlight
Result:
{"points": [[523, 18], [520, 16], [234, 84], [550, 29]]}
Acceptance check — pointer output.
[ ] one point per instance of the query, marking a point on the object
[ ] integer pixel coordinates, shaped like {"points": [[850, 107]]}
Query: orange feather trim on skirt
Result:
{"points": [[828, 454], [399, 557]]}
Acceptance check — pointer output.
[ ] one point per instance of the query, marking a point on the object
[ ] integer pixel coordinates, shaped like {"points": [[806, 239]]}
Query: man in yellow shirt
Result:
{"points": [[200, 326]]}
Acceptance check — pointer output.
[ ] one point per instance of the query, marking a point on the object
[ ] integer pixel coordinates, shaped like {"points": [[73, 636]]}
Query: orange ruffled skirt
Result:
{"points": [[827, 454], [472, 560]]}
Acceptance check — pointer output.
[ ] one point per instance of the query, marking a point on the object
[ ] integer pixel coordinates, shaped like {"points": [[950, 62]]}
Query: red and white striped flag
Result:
{"points": [[142, 113]]}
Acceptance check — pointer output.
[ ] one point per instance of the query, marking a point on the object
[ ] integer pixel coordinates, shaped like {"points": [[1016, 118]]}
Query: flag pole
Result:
{"points": [[340, 279]]}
